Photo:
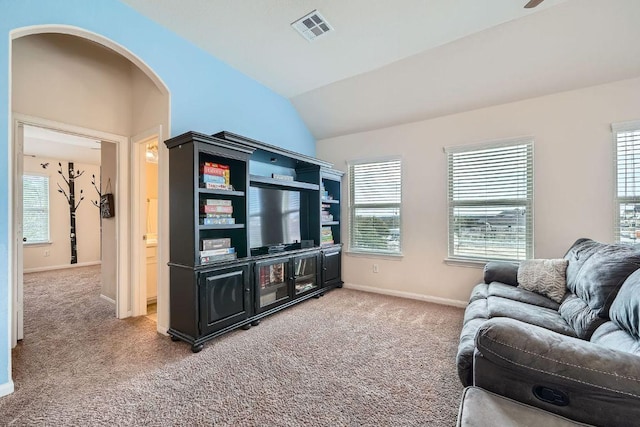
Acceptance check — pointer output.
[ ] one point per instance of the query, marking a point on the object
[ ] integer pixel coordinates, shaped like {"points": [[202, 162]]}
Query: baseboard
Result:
{"points": [[6, 388], [410, 295], [163, 330], [61, 267], [106, 298]]}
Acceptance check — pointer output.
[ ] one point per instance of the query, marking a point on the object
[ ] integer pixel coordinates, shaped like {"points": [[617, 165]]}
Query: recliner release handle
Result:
{"points": [[550, 395]]}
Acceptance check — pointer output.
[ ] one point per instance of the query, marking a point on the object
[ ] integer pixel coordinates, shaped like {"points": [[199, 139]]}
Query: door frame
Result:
{"points": [[138, 222], [16, 274], [123, 307]]}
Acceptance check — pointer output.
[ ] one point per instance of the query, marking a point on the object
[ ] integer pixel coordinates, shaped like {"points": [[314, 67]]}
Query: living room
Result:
{"points": [[561, 74]]}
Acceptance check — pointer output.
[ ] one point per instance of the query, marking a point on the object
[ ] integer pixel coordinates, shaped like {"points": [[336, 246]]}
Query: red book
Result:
{"points": [[210, 170]]}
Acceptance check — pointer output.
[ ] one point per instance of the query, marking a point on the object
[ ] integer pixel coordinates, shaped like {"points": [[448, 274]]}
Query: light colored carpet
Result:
{"points": [[347, 359]]}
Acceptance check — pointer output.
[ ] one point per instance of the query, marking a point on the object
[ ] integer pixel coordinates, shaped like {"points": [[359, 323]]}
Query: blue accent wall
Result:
{"points": [[206, 95]]}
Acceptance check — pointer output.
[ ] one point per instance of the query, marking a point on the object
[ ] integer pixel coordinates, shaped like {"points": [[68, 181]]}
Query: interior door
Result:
{"points": [[17, 329]]}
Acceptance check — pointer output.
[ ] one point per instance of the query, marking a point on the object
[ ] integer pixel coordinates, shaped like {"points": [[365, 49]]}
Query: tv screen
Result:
{"points": [[274, 217]]}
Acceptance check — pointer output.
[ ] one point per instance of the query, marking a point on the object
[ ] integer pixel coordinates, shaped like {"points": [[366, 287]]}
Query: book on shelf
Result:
{"points": [[326, 236], [213, 178], [216, 186], [217, 258], [220, 251], [216, 221], [223, 209], [217, 202], [209, 244], [325, 194], [281, 177], [211, 168], [326, 216]]}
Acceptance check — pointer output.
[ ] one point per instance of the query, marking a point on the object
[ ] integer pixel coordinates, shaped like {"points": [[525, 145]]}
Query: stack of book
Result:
{"points": [[215, 176], [216, 211], [325, 216], [213, 250], [324, 193], [326, 237]]}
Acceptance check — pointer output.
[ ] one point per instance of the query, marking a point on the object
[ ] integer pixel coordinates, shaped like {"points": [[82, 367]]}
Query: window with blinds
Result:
{"points": [[375, 198], [490, 201], [627, 143], [35, 209]]}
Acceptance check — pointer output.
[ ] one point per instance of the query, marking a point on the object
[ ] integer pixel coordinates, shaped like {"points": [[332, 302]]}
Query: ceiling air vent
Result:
{"points": [[312, 26]]}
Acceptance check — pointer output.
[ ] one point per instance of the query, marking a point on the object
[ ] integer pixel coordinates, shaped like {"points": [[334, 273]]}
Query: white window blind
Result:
{"points": [[35, 209], [627, 142], [375, 199], [490, 192]]}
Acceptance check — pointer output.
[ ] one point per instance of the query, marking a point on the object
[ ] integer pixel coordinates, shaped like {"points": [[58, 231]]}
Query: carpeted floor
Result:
{"points": [[347, 359]]}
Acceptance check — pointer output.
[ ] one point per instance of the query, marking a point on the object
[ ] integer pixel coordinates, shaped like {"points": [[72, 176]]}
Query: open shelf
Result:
{"points": [[331, 223], [281, 183], [330, 201], [221, 192], [220, 226]]}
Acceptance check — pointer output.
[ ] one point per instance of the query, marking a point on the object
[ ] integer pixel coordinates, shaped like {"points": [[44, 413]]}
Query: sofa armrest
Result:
{"points": [[501, 271], [565, 375]]}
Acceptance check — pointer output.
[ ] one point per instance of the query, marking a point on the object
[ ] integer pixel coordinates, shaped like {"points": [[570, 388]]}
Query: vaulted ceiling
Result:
{"points": [[392, 62]]}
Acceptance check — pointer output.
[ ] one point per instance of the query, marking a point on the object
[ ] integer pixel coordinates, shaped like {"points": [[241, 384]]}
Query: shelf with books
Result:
{"points": [[330, 195], [225, 193]]}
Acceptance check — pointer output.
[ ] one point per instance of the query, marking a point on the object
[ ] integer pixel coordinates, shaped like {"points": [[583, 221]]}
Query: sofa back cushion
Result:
{"points": [[595, 273], [623, 331]]}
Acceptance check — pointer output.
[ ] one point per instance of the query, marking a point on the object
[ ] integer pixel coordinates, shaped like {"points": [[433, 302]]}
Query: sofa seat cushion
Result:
{"points": [[497, 289], [485, 307], [480, 408], [527, 313]]}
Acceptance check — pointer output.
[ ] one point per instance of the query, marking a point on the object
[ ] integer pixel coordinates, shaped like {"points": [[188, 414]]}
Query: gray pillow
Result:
{"points": [[544, 276]]}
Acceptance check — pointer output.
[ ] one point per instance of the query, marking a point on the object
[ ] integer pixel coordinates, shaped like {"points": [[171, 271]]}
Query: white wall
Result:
{"points": [[87, 217], [573, 184], [70, 80]]}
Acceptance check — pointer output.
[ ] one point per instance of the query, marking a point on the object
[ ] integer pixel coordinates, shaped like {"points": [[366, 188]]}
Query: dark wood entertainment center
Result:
{"points": [[219, 280]]}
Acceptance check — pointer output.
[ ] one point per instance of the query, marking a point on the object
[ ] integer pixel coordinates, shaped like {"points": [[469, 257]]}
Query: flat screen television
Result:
{"points": [[274, 217]]}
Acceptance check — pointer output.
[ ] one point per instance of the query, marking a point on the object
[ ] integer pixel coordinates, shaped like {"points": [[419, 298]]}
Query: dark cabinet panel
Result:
{"points": [[225, 298], [331, 267]]}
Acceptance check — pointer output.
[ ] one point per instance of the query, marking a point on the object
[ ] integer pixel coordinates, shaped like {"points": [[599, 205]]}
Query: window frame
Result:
{"points": [[358, 251], [452, 256], [616, 128], [48, 209]]}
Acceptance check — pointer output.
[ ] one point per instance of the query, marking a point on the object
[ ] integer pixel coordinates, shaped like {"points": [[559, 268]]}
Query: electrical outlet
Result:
{"points": [[46, 252], [375, 268]]}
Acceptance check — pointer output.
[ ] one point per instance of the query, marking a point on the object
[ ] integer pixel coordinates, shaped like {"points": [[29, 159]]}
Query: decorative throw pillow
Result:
{"points": [[544, 276]]}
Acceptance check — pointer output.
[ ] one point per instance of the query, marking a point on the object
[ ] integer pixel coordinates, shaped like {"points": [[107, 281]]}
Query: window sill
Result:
{"points": [[363, 254], [36, 244], [462, 262]]}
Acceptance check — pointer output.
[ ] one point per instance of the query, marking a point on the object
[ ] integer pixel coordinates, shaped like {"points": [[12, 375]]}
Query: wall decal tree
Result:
{"points": [[96, 203], [70, 195]]}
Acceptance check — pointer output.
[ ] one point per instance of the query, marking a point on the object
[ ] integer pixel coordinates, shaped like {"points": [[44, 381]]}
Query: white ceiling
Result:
{"points": [[51, 144], [391, 62]]}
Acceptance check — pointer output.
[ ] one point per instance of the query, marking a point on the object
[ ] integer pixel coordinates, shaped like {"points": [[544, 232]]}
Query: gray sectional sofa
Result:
{"points": [[579, 358]]}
